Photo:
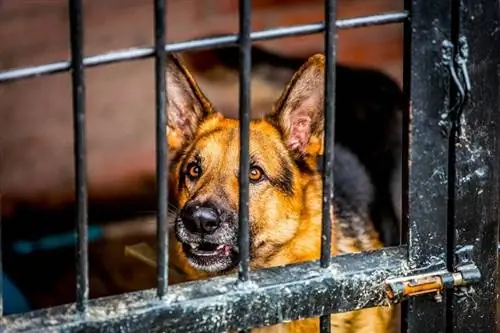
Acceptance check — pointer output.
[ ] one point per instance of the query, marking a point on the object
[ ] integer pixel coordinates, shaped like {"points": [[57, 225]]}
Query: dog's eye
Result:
{"points": [[193, 170], [256, 174]]}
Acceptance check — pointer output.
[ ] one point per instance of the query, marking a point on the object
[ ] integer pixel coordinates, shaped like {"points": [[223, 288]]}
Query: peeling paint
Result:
{"points": [[353, 281]]}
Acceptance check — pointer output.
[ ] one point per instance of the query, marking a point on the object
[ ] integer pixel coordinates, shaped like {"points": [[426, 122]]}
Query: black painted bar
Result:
{"points": [[329, 139], [330, 42], [202, 43], [78, 83], [427, 88], [161, 147], [1, 265], [78, 86], [405, 152], [325, 324], [219, 305], [245, 44], [477, 164]]}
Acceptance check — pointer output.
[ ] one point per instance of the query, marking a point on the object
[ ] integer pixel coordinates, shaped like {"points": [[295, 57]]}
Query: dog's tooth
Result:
{"points": [[220, 247], [193, 245]]}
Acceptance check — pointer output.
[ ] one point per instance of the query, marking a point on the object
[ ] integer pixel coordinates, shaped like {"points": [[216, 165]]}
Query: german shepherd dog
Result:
{"points": [[285, 189]]}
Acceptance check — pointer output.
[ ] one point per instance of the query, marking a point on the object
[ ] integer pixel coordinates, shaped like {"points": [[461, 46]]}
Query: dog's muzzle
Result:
{"points": [[208, 239]]}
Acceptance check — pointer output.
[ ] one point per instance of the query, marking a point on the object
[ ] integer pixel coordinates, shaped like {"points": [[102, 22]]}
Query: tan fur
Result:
{"points": [[289, 233]]}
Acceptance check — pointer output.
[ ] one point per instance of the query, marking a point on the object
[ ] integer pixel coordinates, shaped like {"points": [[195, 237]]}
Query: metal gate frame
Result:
{"points": [[451, 80]]}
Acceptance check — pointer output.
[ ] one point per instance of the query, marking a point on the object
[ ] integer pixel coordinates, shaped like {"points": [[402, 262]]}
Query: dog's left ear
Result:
{"points": [[187, 106], [298, 113]]}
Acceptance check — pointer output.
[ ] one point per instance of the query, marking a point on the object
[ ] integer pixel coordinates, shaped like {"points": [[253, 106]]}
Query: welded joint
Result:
{"points": [[401, 288], [455, 59]]}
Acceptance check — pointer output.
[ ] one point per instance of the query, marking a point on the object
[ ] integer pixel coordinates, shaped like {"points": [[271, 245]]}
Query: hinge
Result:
{"points": [[456, 62], [399, 289]]}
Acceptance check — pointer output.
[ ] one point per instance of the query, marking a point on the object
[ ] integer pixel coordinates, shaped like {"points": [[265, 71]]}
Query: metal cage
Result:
{"points": [[451, 80]]}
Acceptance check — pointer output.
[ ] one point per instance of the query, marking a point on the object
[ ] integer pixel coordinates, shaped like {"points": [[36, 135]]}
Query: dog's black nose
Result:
{"points": [[201, 218]]}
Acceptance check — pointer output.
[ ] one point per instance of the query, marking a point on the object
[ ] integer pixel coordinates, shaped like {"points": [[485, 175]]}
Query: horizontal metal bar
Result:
{"points": [[371, 20], [202, 43], [353, 281]]}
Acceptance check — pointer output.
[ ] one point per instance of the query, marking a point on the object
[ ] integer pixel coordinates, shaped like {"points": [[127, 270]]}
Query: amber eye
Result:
{"points": [[256, 174], [193, 170]]}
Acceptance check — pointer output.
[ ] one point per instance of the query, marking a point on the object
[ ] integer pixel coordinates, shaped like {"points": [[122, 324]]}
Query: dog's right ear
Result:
{"points": [[187, 106], [298, 113]]}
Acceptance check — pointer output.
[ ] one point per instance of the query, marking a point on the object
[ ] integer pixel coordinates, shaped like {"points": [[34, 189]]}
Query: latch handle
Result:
{"points": [[398, 289]]}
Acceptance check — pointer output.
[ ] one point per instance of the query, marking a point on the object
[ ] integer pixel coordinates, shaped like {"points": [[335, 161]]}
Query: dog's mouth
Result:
{"points": [[205, 249], [215, 252], [211, 257]]}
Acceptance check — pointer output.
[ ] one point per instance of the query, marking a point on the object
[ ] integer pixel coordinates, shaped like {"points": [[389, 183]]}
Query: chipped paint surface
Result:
{"points": [[353, 281]]}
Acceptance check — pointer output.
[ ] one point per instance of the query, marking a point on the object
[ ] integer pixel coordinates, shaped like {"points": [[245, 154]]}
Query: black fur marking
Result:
{"points": [[354, 195], [351, 181], [284, 181], [304, 167]]}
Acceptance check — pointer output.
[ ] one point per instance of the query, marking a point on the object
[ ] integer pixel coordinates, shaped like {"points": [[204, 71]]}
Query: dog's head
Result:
{"points": [[205, 150]]}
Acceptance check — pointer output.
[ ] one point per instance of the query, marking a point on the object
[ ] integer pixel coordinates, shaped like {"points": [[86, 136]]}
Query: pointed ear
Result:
{"points": [[298, 113], [187, 106]]}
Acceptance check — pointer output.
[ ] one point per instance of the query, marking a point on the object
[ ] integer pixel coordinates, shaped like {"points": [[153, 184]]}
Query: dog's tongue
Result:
{"points": [[225, 249]]}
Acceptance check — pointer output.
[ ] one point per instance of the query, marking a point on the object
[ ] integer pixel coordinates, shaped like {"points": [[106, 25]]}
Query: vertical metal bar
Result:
{"points": [[405, 151], [450, 246], [161, 148], [477, 162], [325, 324], [78, 82], [245, 44], [330, 40], [329, 111], [427, 173], [1, 266]]}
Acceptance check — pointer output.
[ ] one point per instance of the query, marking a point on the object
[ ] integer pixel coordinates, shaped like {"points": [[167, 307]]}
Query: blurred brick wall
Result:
{"points": [[34, 31], [35, 114]]}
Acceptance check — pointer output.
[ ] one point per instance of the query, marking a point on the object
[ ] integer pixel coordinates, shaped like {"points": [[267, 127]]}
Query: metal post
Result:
{"points": [[427, 87], [475, 143]]}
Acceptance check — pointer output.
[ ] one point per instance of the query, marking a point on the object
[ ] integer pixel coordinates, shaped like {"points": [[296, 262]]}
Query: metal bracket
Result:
{"points": [[398, 289], [457, 66]]}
